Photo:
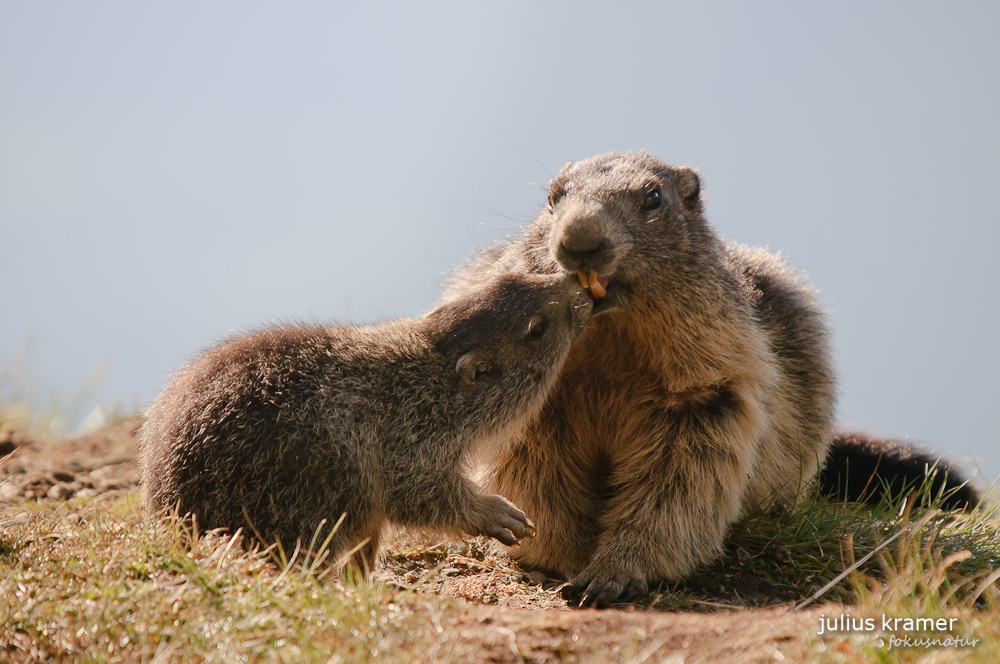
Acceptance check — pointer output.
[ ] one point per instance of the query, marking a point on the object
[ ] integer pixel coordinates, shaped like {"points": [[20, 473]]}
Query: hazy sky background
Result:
{"points": [[175, 171]]}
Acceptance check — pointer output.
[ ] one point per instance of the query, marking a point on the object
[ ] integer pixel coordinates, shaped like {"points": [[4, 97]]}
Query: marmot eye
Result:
{"points": [[651, 200], [537, 327], [556, 192], [554, 198]]}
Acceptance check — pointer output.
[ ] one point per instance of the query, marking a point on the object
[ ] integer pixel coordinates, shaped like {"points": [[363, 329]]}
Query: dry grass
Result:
{"points": [[91, 579], [102, 584], [96, 581]]}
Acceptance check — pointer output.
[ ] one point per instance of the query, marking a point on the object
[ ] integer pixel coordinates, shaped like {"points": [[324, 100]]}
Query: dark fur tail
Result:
{"points": [[863, 468]]}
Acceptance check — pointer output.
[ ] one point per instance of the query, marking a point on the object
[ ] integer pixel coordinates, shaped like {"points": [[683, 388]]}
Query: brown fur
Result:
{"points": [[707, 393], [283, 428]]}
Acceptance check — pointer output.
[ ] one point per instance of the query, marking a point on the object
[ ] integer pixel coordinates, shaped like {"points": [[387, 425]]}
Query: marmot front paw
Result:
{"points": [[503, 521]]}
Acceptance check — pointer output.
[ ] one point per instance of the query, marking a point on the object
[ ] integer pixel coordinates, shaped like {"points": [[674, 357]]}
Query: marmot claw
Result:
{"points": [[599, 590]]}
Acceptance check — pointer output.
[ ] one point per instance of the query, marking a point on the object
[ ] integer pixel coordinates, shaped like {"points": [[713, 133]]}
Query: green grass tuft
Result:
{"points": [[787, 555]]}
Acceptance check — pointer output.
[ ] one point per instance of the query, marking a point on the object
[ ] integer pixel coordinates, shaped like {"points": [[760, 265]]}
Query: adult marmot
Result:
{"points": [[709, 392], [285, 427]]}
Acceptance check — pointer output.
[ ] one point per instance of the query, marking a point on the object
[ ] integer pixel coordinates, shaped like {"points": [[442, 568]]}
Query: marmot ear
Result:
{"points": [[689, 187], [565, 167], [469, 366]]}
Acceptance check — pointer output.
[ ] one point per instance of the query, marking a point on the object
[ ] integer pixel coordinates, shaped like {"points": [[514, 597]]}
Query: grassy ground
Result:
{"points": [[89, 578], [101, 584]]}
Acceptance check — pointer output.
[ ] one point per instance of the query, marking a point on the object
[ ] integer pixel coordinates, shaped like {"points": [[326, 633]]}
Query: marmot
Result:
{"points": [[282, 428], [709, 391]]}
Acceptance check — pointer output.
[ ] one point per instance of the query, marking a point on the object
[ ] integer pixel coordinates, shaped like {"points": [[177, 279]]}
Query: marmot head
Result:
{"points": [[621, 220], [506, 341]]}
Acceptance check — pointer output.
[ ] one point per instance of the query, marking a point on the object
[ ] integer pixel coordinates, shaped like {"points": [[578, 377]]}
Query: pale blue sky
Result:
{"points": [[171, 172]]}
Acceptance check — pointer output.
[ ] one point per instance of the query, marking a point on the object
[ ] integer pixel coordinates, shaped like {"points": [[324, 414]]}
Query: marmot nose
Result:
{"points": [[577, 250]]}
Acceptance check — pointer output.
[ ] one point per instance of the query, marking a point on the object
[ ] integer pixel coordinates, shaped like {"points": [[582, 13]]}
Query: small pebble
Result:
{"points": [[9, 491], [60, 492], [537, 578], [18, 519]]}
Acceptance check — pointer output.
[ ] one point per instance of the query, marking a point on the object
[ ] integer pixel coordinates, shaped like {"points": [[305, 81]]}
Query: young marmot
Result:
{"points": [[708, 392], [282, 428]]}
